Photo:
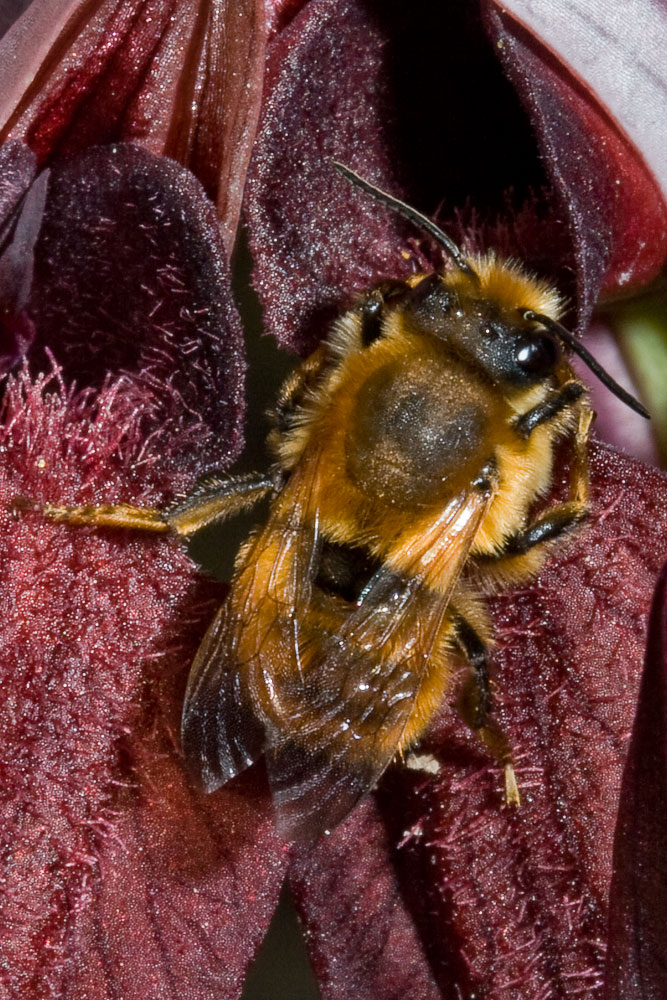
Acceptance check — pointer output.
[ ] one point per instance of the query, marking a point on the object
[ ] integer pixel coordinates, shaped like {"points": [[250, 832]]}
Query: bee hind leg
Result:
{"points": [[476, 704], [214, 499]]}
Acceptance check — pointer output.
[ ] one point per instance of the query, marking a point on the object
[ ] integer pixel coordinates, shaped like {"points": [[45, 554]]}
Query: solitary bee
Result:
{"points": [[410, 449]]}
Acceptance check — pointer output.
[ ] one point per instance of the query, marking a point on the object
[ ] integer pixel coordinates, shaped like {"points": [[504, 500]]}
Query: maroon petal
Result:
{"points": [[131, 277], [510, 904], [185, 885], [18, 168], [363, 941], [117, 879], [638, 920], [21, 212], [616, 211], [184, 79], [395, 95], [617, 54], [280, 12], [401, 98]]}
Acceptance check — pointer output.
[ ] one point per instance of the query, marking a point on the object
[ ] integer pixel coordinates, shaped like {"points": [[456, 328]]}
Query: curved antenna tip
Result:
{"points": [[441, 238]]}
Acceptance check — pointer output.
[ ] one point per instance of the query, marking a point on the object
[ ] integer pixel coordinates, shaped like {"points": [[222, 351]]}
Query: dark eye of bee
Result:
{"points": [[536, 354]]}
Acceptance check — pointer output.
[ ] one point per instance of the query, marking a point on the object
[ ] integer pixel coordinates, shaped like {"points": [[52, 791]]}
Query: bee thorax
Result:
{"points": [[414, 431]]}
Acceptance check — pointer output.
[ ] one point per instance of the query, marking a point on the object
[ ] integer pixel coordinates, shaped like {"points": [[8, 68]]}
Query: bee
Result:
{"points": [[410, 450]]}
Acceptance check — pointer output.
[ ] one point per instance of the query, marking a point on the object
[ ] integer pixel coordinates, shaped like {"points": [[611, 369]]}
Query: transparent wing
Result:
{"points": [[341, 719], [255, 633], [219, 732]]}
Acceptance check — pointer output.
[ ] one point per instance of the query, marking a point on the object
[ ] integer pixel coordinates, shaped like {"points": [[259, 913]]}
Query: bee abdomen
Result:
{"points": [[345, 570]]}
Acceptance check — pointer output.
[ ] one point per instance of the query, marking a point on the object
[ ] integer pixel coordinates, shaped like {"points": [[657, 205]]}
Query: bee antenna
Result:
{"points": [[563, 334], [442, 239]]}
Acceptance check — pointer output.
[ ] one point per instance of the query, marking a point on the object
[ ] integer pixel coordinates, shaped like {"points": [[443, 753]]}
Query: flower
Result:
{"points": [[119, 878], [433, 889]]}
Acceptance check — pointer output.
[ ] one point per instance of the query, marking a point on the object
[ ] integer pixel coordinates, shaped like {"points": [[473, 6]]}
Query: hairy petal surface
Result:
{"points": [[638, 919], [117, 878], [363, 942], [183, 79], [398, 97], [509, 903], [131, 277]]}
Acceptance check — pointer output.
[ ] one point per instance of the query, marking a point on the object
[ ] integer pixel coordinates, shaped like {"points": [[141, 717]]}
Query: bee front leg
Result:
{"points": [[215, 499], [532, 542], [476, 704], [551, 408]]}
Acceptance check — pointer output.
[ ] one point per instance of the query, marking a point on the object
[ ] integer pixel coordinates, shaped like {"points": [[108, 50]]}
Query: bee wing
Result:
{"points": [[223, 721], [219, 733], [345, 716]]}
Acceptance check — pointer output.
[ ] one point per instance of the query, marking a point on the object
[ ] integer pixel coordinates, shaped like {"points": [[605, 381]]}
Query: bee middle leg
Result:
{"points": [[216, 499], [476, 703]]}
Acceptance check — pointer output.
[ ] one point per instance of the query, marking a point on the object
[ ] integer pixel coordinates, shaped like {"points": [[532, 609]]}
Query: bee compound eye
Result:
{"points": [[536, 354]]}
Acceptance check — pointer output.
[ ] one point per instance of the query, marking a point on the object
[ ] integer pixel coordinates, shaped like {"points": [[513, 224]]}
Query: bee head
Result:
{"points": [[482, 320], [489, 311]]}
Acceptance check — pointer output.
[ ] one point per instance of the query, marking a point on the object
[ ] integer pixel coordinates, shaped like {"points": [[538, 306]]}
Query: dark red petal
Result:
{"points": [[21, 212], [617, 213], [638, 920], [186, 884], [191, 939], [118, 880], [363, 941], [182, 78], [17, 261], [280, 12], [18, 166], [397, 95], [512, 904], [131, 277]]}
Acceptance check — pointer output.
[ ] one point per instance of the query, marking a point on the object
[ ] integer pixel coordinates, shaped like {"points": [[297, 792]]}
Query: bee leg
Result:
{"points": [[212, 500], [216, 499], [563, 399], [295, 388], [562, 517], [476, 704], [372, 310]]}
